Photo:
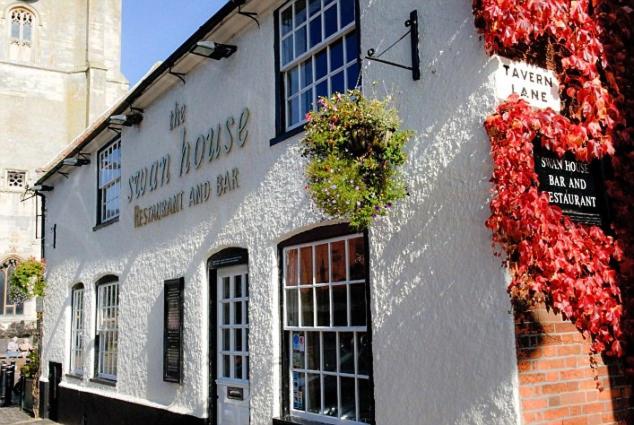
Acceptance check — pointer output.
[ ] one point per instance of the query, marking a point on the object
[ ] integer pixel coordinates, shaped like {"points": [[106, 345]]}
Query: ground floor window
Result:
{"points": [[7, 306], [77, 330], [327, 339], [107, 334]]}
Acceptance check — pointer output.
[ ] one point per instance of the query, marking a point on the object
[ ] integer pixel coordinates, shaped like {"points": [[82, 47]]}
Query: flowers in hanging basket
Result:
{"points": [[27, 281], [355, 147]]}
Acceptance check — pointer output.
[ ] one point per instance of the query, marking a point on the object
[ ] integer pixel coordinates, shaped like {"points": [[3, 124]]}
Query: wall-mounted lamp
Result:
{"points": [[41, 188], [75, 162], [211, 50], [126, 120]]}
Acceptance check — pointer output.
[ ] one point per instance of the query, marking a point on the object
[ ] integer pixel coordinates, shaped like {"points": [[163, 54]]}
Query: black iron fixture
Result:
{"points": [[125, 120], [41, 188], [211, 50], [178, 75], [412, 24]]}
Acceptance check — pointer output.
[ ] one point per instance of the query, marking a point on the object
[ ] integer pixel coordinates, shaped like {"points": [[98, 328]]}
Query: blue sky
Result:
{"points": [[154, 29]]}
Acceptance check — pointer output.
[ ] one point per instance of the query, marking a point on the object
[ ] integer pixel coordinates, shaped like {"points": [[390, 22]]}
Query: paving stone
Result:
{"points": [[15, 416]]}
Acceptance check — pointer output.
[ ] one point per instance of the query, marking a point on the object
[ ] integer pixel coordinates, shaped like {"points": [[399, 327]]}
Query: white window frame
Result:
{"points": [[356, 330], [109, 182], [77, 331], [310, 54], [24, 17], [107, 329]]}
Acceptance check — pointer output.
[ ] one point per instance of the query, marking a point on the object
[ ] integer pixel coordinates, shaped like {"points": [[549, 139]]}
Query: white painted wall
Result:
{"points": [[443, 339]]}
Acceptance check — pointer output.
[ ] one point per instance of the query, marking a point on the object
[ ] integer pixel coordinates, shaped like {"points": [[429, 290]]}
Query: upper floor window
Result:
{"points": [[109, 182], [107, 335], [8, 307], [22, 21], [326, 331], [318, 55], [77, 330]]}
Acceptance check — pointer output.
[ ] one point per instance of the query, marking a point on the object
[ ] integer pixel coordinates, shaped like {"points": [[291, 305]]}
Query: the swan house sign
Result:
{"points": [[194, 154], [576, 187]]}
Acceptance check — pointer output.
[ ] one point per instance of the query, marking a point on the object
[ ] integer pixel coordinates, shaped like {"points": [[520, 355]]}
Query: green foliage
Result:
{"points": [[27, 281], [355, 147], [32, 365]]}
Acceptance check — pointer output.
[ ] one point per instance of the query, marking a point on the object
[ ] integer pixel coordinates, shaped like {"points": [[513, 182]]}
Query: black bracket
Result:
{"points": [[178, 75], [250, 15], [412, 24]]}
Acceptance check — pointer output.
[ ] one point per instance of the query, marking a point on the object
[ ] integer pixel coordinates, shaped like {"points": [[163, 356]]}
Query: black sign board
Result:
{"points": [[575, 186], [173, 330]]}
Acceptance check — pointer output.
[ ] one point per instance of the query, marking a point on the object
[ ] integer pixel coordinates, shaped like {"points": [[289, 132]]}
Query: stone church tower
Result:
{"points": [[59, 70]]}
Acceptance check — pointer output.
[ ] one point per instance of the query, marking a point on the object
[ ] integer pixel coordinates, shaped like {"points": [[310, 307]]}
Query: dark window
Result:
{"points": [[77, 330], [107, 333], [326, 343], [109, 182], [319, 55]]}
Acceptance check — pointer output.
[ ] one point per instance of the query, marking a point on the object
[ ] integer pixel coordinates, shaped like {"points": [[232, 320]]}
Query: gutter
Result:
{"points": [[164, 67]]}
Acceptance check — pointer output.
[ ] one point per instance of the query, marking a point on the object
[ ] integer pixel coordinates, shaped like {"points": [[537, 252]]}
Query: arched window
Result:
{"points": [[77, 333], [107, 333], [22, 21], [7, 306]]}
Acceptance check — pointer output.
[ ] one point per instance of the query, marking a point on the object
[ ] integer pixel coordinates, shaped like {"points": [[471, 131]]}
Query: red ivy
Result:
{"points": [[570, 267]]}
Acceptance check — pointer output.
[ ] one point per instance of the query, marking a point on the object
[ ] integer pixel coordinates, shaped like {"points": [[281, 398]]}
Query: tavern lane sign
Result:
{"points": [[538, 86]]}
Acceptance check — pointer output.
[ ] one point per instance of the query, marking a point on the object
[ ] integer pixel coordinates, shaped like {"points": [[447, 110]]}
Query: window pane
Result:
{"points": [[237, 284], [330, 351], [226, 288], [315, 31], [352, 47], [307, 306], [226, 340], [26, 31], [291, 268], [336, 55], [293, 81], [313, 350], [237, 308], [364, 400], [330, 395], [357, 305], [300, 12], [356, 258], [353, 76], [307, 102], [307, 73], [331, 21], [321, 263], [321, 91], [364, 353], [338, 261], [293, 107], [226, 313], [300, 41], [299, 348], [298, 391], [347, 12], [340, 305], [314, 393], [238, 340], [237, 367], [226, 366], [15, 29], [314, 6], [292, 312], [287, 21], [287, 50], [348, 410], [306, 266], [321, 64], [322, 295], [337, 83], [346, 352]]}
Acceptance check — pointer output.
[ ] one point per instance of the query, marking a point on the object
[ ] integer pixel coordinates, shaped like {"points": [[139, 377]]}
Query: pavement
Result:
{"points": [[15, 416]]}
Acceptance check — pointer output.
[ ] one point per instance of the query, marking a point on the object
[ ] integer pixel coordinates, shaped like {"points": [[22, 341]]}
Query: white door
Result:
{"points": [[233, 346]]}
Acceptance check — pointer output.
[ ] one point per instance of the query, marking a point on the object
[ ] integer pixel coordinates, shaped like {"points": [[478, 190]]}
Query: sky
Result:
{"points": [[153, 29]]}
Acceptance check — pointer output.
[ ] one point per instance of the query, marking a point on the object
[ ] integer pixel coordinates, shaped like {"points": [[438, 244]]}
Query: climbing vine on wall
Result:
{"points": [[572, 268]]}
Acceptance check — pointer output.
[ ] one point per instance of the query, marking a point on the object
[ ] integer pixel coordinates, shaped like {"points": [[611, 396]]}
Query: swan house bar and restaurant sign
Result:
{"points": [[575, 186], [195, 154]]}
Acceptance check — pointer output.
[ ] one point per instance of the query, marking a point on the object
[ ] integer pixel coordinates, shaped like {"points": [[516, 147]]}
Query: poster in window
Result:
{"points": [[298, 391], [173, 330]]}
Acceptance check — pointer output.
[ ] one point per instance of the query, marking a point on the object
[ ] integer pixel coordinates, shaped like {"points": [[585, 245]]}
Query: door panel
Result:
{"points": [[232, 359]]}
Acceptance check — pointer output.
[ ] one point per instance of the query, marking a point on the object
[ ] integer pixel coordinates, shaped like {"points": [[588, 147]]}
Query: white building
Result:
{"points": [[59, 69], [407, 323]]}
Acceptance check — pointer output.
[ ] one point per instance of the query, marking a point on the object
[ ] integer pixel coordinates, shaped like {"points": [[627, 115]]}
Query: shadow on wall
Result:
{"points": [[556, 380]]}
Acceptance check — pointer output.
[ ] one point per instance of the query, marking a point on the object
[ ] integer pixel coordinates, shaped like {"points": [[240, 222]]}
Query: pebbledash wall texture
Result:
{"points": [[443, 340]]}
